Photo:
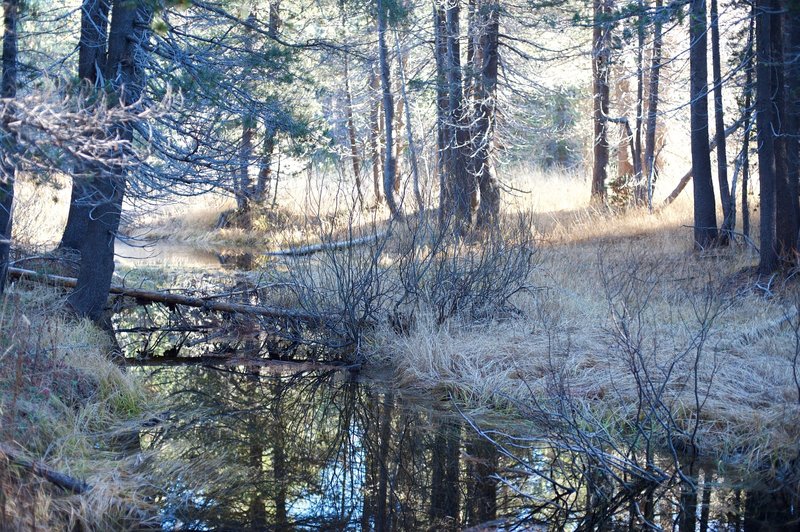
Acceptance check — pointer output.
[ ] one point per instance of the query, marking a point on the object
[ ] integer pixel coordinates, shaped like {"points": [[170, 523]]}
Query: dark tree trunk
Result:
{"points": [[486, 64], [705, 219], [125, 74], [728, 209], [442, 106], [91, 64], [768, 256], [601, 68], [792, 121], [389, 166], [412, 150], [7, 167], [463, 185], [265, 166], [785, 194], [652, 105]]}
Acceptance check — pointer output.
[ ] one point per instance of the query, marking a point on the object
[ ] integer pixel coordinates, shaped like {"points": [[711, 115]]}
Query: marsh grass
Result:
{"points": [[67, 406]]}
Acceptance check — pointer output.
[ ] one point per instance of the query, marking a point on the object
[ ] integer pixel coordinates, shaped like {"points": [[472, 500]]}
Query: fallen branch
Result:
{"points": [[57, 478], [688, 175], [327, 246], [169, 299]]}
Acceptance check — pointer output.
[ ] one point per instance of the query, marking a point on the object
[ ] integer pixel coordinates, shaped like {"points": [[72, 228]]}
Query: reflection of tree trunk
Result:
{"points": [[687, 516], [279, 465], [444, 510], [705, 503], [481, 501], [257, 511], [382, 517]]}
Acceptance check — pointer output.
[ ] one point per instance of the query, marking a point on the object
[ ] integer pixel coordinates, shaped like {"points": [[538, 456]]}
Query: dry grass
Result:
{"points": [[622, 293], [66, 405]]}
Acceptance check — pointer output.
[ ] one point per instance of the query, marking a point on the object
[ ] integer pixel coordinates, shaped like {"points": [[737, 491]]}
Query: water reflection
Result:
{"points": [[264, 450]]}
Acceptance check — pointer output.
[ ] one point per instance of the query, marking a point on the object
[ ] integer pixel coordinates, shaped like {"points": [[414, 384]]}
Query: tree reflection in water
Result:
{"points": [[323, 451]]}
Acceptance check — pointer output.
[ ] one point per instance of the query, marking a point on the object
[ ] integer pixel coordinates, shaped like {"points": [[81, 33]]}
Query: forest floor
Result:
{"points": [[621, 321], [70, 421]]}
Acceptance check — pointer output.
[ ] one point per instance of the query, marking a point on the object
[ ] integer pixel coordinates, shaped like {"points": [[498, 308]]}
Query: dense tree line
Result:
{"points": [[179, 98]]}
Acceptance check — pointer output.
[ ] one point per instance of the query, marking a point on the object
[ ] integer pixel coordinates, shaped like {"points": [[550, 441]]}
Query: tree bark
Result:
{"points": [[8, 169], [91, 63], [355, 158], [486, 64], [786, 215], [768, 256], [728, 209], [374, 133], [601, 58], [705, 219], [792, 121], [389, 166], [130, 22], [652, 105], [442, 106], [412, 149]]}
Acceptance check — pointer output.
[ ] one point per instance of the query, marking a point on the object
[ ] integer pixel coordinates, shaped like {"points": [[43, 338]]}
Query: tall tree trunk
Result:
{"points": [[768, 256], [91, 64], [265, 166], [601, 68], [442, 107], [130, 22], [463, 183], [389, 166], [412, 149], [748, 97], [375, 133], [705, 219], [652, 105], [640, 192], [351, 133], [786, 215], [8, 169], [243, 186], [792, 111], [487, 59], [728, 210]]}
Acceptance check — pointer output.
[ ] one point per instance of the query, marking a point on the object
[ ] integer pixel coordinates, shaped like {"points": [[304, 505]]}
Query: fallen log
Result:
{"points": [[57, 478], [712, 144], [327, 246], [167, 298]]}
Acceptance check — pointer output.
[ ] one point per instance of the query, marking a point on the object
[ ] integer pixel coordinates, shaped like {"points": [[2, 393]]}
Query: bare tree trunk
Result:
{"points": [[124, 72], [786, 215], [374, 133], [399, 112], [243, 187], [8, 169], [265, 166], [412, 150], [768, 256], [728, 213], [652, 105], [351, 133], [601, 59], [463, 183], [442, 107], [389, 166], [640, 191], [792, 121], [486, 111], [91, 63], [705, 220]]}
